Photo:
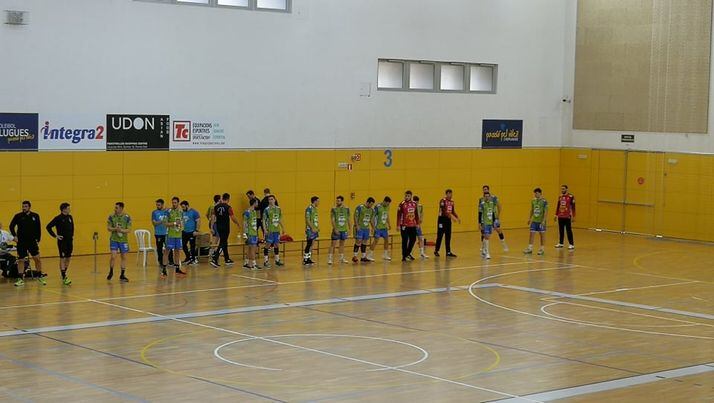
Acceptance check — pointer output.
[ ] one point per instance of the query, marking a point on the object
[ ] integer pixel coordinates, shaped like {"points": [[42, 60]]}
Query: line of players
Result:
{"points": [[176, 228]]}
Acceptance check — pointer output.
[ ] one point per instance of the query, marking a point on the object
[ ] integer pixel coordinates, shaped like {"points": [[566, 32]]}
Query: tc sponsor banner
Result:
{"points": [[197, 134], [138, 132], [502, 134], [18, 131], [72, 133]]}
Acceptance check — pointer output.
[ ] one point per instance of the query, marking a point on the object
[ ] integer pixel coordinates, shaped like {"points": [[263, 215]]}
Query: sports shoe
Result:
{"points": [[42, 280], [180, 272], [505, 247], [266, 265], [560, 245], [410, 257], [528, 251], [436, 253], [423, 256], [187, 261], [214, 263], [123, 279], [541, 252], [370, 259], [449, 254], [343, 260], [163, 272], [20, 282], [229, 262], [279, 263], [246, 266], [364, 260], [488, 256], [387, 258], [111, 274], [194, 262], [66, 281], [571, 247], [329, 261]]}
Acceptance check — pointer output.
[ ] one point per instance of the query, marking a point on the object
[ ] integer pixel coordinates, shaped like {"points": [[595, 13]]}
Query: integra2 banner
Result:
{"points": [[502, 134], [138, 132]]}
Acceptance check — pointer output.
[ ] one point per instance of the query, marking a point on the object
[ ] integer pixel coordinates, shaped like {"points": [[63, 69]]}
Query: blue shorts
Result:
{"points": [[537, 227], [273, 238], [419, 233], [122, 247], [251, 240], [362, 235], [339, 236], [173, 243], [309, 235], [381, 233], [487, 229]]}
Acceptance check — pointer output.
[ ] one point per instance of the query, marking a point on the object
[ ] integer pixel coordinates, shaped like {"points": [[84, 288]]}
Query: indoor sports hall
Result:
{"points": [[356, 201]]}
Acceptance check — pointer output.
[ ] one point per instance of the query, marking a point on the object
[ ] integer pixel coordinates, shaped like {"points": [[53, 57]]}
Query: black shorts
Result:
{"points": [[65, 247], [27, 247]]}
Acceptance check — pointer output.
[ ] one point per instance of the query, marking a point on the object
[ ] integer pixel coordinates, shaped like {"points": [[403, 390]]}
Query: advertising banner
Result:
{"points": [[502, 134], [18, 131], [138, 132]]}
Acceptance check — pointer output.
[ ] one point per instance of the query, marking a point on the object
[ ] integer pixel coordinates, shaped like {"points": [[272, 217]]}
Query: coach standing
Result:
{"points": [[408, 221], [447, 213], [565, 215], [26, 227], [64, 225]]}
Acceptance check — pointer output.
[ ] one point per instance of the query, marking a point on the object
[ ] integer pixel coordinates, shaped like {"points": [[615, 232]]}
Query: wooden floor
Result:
{"points": [[524, 328]]}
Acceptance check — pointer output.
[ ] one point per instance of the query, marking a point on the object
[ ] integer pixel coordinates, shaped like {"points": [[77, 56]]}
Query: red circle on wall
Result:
{"points": [[641, 180]]}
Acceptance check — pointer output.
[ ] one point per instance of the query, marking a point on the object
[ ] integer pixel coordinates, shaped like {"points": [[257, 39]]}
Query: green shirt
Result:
{"points": [[271, 218], [209, 213], [311, 217], [121, 221], [341, 215], [488, 210], [381, 217], [539, 206], [176, 217], [364, 216], [250, 222]]}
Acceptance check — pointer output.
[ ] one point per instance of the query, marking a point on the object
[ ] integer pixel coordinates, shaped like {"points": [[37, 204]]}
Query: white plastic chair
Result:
{"points": [[143, 241]]}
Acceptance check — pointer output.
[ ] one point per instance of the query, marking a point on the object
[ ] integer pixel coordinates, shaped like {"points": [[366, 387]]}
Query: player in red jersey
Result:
{"points": [[565, 216], [408, 221]]}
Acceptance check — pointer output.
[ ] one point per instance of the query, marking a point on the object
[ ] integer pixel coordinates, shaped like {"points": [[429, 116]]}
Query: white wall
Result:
{"points": [[291, 80], [673, 142]]}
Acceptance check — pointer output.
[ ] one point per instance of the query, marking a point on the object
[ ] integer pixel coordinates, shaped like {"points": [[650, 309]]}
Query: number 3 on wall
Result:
{"points": [[388, 158]]}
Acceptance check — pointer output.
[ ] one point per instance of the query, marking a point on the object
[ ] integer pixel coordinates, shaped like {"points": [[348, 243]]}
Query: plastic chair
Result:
{"points": [[143, 241]]}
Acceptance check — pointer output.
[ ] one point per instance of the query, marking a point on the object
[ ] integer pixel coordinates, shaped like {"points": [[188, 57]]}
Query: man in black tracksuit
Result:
{"points": [[222, 217], [26, 228], [64, 225]]}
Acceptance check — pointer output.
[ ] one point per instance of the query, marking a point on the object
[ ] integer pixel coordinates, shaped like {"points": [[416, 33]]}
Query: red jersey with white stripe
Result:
{"points": [[407, 214], [566, 206]]}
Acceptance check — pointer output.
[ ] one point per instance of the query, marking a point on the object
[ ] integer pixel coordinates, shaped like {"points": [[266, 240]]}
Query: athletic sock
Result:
{"points": [[501, 236]]}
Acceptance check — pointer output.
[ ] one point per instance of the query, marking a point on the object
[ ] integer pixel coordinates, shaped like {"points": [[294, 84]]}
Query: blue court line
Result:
{"points": [[614, 384], [35, 367], [607, 301], [188, 315]]}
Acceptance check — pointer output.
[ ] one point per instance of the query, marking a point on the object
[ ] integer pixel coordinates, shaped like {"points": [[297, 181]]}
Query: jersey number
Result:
{"points": [[388, 158]]}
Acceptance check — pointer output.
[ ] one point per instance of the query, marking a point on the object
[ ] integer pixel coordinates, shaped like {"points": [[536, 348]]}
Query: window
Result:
{"points": [[390, 75], [234, 3], [434, 76], [260, 5], [421, 76], [452, 77], [272, 4], [482, 78]]}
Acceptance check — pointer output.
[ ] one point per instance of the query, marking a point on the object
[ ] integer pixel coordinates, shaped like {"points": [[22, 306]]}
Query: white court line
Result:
{"points": [[615, 384], [265, 280], [254, 308], [348, 358], [622, 289], [424, 353], [261, 285], [544, 309]]}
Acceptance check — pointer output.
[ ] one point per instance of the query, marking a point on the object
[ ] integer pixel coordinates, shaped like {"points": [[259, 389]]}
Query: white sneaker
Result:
{"points": [[541, 252], [571, 247], [528, 251], [505, 247], [343, 260], [423, 256], [387, 258], [560, 245], [370, 258], [329, 261], [488, 256]]}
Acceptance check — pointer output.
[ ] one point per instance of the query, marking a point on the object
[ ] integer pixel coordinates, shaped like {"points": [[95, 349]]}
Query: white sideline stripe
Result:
{"points": [[614, 384], [188, 315], [609, 301]]}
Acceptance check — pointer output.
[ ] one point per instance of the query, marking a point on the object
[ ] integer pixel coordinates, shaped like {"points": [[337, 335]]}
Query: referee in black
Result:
{"points": [[26, 228], [64, 225]]}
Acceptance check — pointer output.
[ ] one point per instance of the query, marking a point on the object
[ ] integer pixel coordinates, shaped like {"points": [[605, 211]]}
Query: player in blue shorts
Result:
{"points": [[341, 227], [250, 233], [273, 228], [489, 214], [174, 242], [536, 221], [119, 225], [381, 228], [363, 224], [312, 229], [497, 221]]}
